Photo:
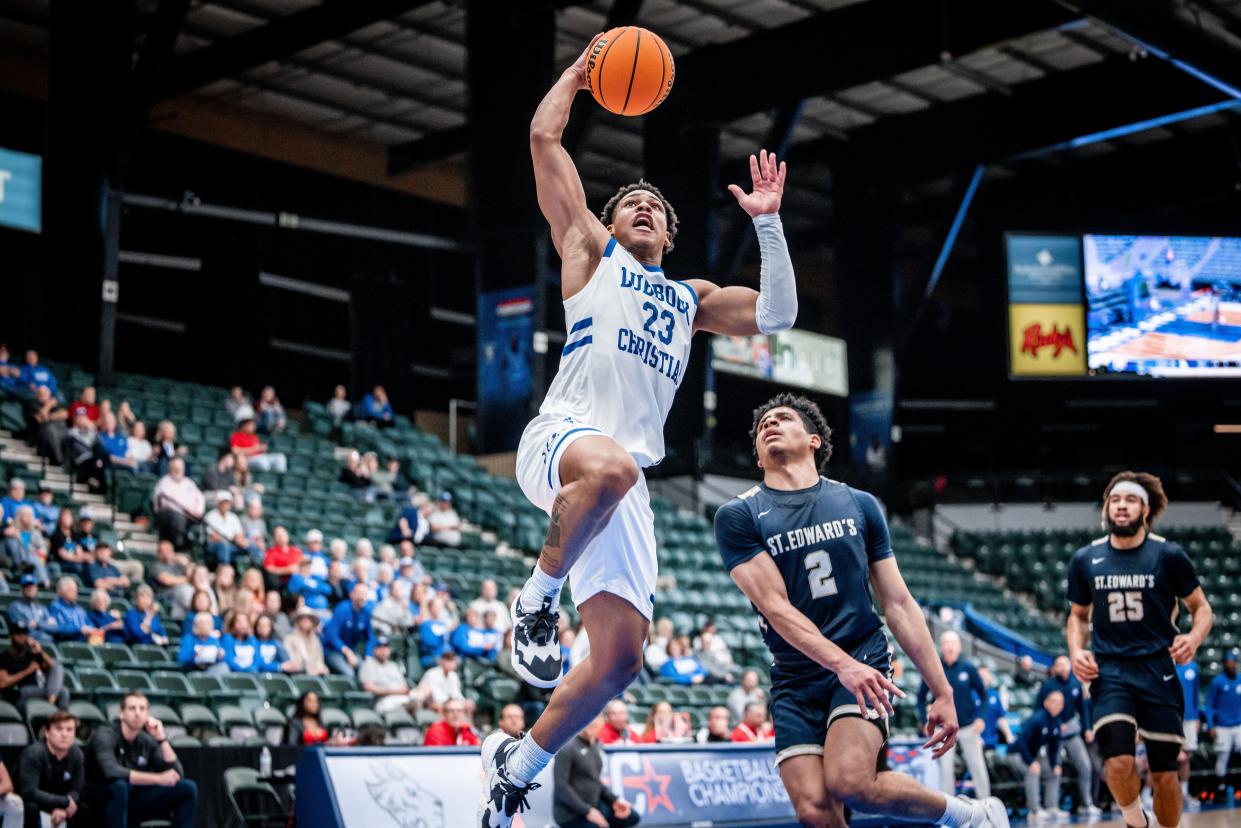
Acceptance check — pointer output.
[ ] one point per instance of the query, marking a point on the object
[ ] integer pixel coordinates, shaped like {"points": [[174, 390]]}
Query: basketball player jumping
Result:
{"points": [[1128, 584], [805, 550], [581, 459]]}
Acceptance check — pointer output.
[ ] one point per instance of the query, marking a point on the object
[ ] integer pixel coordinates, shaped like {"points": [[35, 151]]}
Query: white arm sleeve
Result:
{"points": [[777, 294]]}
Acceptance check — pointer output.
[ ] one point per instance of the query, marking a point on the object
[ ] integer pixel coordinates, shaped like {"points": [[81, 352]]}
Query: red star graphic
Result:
{"points": [[643, 783]]}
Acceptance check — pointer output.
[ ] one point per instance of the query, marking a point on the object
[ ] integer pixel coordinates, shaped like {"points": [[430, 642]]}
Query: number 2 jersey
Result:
{"points": [[1133, 594], [823, 540], [628, 344]]}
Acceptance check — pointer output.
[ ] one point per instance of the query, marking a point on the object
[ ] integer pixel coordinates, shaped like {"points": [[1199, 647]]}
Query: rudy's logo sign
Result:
{"points": [[1035, 339]]}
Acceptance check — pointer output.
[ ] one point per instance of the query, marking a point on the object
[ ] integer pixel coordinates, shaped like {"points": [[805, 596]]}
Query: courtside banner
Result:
{"points": [[1047, 340], [21, 190]]}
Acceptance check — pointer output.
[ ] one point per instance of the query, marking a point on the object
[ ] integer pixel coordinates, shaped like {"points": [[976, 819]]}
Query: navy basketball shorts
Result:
{"points": [[806, 699], [1143, 692]]}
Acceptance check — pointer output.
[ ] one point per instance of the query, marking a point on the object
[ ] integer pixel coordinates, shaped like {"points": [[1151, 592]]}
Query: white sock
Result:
{"points": [[539, 586], [1134, 817], [957, 813], [1185, 789], [527, 760]]}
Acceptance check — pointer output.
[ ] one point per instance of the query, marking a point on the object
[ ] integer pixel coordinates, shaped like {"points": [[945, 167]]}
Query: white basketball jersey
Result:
{"points": [[629, 333]]}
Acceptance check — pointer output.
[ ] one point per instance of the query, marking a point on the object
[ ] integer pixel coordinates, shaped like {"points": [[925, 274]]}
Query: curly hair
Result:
{"points": [[811, 417], [609, 209], [1154, 489]]}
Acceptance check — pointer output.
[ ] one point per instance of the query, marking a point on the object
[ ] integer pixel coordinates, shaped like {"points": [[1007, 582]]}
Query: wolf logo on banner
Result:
{"points": [[409, 804]]}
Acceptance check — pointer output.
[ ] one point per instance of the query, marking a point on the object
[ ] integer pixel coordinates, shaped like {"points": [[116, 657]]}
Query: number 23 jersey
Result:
{"points": [[823, 540], [1132, 594]]}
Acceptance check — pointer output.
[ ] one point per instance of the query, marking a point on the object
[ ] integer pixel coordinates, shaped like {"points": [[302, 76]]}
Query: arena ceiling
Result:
{"points": [[930, 86]]}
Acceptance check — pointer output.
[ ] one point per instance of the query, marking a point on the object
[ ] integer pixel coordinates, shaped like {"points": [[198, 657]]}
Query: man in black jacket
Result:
{"points": [[51, 772], [133, 774], [580, 799]]}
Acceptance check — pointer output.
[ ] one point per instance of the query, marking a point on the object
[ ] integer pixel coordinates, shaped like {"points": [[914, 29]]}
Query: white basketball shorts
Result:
{"points": [[621, 559]]}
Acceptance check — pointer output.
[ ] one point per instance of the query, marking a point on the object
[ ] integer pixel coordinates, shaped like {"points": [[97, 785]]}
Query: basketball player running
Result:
{"points": [[805, 551], [580, 460], [1128, 584]]}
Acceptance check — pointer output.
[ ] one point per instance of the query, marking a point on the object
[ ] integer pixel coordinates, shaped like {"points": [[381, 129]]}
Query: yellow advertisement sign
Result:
{"points": [[1047, 340]]}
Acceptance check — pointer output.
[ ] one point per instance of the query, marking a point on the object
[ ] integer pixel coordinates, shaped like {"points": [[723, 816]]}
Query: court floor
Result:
{"points": [[1206, 818]]}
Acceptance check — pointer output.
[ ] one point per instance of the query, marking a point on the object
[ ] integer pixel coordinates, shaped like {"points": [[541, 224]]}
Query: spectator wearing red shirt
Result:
{"points": [[281, 560], [662, 725], [453, 729], [754, 727], [246, 441], [616, 729], [86, 404]]}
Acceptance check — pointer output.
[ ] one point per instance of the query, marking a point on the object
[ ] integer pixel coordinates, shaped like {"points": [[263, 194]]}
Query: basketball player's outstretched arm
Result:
{"points": [[908, 624], [760, 580], [742, 311], [578, 235]]}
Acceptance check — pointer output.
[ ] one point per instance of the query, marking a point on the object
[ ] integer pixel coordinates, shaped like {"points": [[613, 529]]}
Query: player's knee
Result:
{"points": [[817, 813], [610, 476], [620, 669], [1120, 766], [851, 784]]}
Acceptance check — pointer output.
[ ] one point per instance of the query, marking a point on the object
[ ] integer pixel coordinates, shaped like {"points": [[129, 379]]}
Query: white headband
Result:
{"points": [[1129, 487]]}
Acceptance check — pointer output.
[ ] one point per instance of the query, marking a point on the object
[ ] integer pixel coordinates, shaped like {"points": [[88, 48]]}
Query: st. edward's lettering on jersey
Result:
{"points": [[661, 317], [795, 539]]}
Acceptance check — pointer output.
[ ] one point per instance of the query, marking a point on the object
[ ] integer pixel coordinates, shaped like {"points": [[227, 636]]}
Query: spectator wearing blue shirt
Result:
{"points": [[995, 712], [1039, 738], [114, 441], [102, 617], [470, 640], [34, 376], [433, 634], [1074, 722], [201, 650], [273, 657], [376, 409], [28, 614], [313, 551], [15, 498], [411, 524], [46, 512], [71, 621], [241, 648], [347, 635], [8, 371], [682, 667], [1223, 714], [27, 548], [103, 574], [1187, 675], [315, 592], [142, 624], [968, 693]]}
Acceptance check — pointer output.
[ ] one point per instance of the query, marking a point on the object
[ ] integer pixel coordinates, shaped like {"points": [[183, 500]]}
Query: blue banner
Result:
{"points": [[21, 190], [870, 422], [1044, 270], [505, 354]]}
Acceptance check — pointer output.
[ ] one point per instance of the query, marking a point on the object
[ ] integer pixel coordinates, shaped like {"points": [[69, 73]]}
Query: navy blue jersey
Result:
{"points": [[1037, 732], [823, 540], [1133, 594]]}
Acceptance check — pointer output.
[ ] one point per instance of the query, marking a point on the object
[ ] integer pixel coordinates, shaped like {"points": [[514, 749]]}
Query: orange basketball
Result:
{"points": [[630, 70]]}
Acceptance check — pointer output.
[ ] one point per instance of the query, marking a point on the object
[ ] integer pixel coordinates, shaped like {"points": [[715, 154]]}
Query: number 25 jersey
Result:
{"points": [[628, 344], [823, 540], [1132, 594]]}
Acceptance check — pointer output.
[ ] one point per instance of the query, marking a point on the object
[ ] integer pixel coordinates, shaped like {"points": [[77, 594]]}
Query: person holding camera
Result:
{"points": [[27, 672]]}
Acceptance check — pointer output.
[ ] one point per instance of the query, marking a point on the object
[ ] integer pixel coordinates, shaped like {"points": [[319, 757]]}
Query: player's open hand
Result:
{"points": [[870, 687], [768, 178], [1084, 666], [1183, 648], [941, 724], [579, 66]]}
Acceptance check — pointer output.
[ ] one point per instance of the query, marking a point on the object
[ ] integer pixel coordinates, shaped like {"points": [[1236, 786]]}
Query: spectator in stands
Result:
{"points": [[314, 553], [245, 488], [133, 774], [142, 623], [656, 652], [202, 602], [178, 503], [377, 410], [442, 683], [103, 574], [364, 550], [338, 579], [226, 537], [384, 576], [1027, 676], [470, 639], [138, 448], [27, 548], [225, 588], [664, 726], [169, 577], [256, 601], [716, 728], [314, 592], [114, 442], [453, 729], [245, 440], [411, 524], [339, 407], [201, 650], [165, 448], [968, 693], [713, 652], [278, 607], [26, 613], [354, 475], [392, 615], [51, 773], [1039, 739], [411, 571], [304, 645], [304, 727], [280, 561], [254, 527], [362, 575], [682, 667], [70, 621], [753, 726], [65, 551], [103, 618], [383, 677], [27, 672], [219, 476], [14, 500], [88, 459], [389, 482], [1222, 714], [488, 601], [9, 372], [272, 656], [1074, 723], [241, 648], [48, 421], [46, 512], [125, 415], [433, 634], [579, 798], [996, 730], [445, 522], [347, 633], [34, 376], [512, 720], [87, 404], [616, 729], [238, 405], [271, 416]]}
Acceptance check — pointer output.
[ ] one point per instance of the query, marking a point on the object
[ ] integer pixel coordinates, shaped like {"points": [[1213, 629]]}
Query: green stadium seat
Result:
{"points": [[335, 719], [198, 719], [235, 723], [37, 713], [402, 727], [13, 729], [270, 723]]}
